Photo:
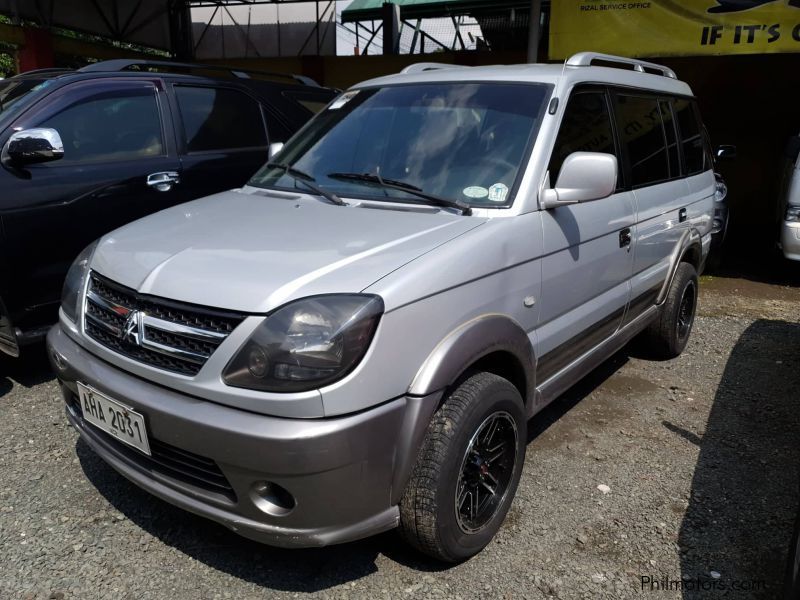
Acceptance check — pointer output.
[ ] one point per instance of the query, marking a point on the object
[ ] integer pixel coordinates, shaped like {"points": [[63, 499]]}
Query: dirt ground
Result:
{"points": [[700, 454]]}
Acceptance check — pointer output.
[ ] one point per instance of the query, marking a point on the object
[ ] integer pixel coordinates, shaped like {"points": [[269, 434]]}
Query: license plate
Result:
{"points": [[114, 418]]}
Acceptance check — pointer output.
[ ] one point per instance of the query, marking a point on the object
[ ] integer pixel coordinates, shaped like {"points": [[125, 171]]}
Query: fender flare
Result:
{"points": [[8, 335], [690, 242], [469, 343]]}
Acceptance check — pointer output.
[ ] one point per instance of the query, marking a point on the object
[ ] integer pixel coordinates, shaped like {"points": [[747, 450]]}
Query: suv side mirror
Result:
{"points": [[584, 176], [792, 149], [725, 152], [31, 146], [274, 149]]}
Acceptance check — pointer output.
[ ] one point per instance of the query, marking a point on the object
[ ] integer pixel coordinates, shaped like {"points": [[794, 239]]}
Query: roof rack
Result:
{"points": [[585, 59], [122, 64], [428, 66]]}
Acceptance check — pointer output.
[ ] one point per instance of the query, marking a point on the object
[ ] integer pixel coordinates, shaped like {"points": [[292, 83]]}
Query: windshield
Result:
{"points": [[460, 142]]}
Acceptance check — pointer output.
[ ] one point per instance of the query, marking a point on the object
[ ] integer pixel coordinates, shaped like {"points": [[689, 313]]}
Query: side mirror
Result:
{"points": [[274, 149], [31, 146], [725, 152], [792, 149], [584, 176]]}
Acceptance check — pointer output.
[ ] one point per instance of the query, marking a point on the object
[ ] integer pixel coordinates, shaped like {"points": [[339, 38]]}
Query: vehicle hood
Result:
{"points": [[252, 251]]}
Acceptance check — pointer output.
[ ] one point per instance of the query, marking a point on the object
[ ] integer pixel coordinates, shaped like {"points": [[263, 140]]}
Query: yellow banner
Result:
{"points": [[671, 28]]}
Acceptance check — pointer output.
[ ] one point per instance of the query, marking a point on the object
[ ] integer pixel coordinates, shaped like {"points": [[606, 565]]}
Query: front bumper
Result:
{"points": [[790, 240], [345, 474]]}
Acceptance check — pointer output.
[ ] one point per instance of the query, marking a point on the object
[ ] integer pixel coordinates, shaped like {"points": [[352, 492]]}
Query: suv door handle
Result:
{"points": [[163, 182], [625, 237]]}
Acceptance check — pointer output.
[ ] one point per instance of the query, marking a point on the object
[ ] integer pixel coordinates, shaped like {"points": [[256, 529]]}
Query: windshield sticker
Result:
{"points": [[475, 191], [342, 100], [498, 192]]}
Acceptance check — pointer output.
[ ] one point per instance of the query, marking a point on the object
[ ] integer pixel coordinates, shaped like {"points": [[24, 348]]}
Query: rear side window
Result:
{"points": [[586, 127], [642, 134], [692, 140], [117, 122], [219, 119], [313, 103]]}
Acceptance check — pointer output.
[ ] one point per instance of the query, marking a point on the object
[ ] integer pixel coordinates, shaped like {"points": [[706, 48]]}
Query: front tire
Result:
{"points": [[467, 471], [668, 335]]}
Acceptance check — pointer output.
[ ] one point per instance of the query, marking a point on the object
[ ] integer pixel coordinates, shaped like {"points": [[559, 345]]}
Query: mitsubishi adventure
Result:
{"points": [[357, 339]]}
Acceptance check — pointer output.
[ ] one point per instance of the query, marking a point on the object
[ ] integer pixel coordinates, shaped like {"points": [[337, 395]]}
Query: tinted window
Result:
{"points": [[586, 127], [672, 139], [115, 124], [219, 119], [694, 152], [312, 103], [642, 134], [459, 141]]}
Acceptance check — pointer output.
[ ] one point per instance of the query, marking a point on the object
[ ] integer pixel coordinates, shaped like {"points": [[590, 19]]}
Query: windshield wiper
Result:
{"points": [[308, 181], [402, 186]]}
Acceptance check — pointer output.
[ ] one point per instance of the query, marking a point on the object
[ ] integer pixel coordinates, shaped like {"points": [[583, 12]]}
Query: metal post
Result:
{"points": [[391, 28], [533, 30]]}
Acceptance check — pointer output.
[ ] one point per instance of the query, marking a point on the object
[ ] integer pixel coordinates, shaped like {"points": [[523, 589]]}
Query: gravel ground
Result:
{"points": [[700, 455]]}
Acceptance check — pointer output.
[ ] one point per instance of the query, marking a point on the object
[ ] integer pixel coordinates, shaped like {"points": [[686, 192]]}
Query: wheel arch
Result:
{"points": [[688, 249], [494, 343]]}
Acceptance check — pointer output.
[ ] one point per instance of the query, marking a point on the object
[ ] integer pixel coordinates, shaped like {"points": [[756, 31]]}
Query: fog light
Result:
{"points": [[272, 498], [58, 360]]}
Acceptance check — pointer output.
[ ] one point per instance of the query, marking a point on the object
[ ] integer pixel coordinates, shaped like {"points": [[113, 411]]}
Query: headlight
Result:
{"points": [[306, 344], [73, 284], [721, 191], [793, 213]]}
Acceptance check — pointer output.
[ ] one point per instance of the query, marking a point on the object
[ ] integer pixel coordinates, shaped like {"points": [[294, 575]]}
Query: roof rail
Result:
{"points": [[48, 71], [585, 59], [428, 66], [122, 64]]}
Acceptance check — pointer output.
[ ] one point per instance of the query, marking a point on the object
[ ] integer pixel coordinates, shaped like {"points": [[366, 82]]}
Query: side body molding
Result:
{"points": [[690, 242], [469, 343]]}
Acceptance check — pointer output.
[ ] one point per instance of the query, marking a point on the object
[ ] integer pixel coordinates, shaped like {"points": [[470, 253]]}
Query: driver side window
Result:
{"points": [[120, 122], [586, 127]]}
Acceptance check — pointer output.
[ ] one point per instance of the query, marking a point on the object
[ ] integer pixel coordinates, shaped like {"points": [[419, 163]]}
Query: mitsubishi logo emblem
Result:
{"points": [[133, 329]]}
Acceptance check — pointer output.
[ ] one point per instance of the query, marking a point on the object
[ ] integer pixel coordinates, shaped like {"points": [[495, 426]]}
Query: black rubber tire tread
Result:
{"points": [[661, 336], [419, 512]]}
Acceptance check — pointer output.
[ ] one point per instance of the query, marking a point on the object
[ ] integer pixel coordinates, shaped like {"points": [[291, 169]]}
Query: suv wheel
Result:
{"points": [[668, 335], [467, 470]]}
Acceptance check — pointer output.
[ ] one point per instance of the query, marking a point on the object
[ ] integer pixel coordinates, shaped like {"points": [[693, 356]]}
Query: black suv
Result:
{"points": [[86, 151]]}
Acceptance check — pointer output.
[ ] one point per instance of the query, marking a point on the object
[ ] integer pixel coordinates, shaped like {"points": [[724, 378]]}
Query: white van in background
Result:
{"points": [[789, 240]]}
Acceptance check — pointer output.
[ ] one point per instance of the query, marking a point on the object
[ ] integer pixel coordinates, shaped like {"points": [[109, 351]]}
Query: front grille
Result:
{"points": [[161, 333], [166, 460]]}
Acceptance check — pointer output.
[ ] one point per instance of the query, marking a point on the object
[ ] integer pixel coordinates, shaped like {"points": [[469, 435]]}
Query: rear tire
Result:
{"points": [[668, 335], [467, 470]]}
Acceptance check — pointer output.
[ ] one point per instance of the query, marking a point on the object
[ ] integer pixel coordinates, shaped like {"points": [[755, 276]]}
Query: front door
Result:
{"points": [[115, 136], [587, 253]]}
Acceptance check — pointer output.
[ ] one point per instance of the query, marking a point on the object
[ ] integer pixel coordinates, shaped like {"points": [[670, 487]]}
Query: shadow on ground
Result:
{"points": [[307, 570], [30, 369], [744, 493]]}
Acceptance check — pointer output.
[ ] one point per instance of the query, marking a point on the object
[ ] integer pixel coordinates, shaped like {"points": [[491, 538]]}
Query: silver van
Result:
{"points": [[357, 339], [789, 237]]}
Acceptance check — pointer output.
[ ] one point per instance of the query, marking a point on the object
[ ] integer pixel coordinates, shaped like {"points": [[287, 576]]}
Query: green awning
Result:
{"points": [[370, 10]]}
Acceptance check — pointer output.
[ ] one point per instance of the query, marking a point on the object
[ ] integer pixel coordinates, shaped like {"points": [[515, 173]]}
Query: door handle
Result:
{"points": [[163, 182], [681, 215], [625, 237]]}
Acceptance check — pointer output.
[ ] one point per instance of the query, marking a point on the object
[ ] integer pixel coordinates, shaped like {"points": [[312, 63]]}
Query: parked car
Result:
{"points": [[789, 237], [86, 151], [356, 340]]}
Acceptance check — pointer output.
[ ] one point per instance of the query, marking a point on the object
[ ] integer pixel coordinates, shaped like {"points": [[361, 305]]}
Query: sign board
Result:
{"points": [[674, 28]]}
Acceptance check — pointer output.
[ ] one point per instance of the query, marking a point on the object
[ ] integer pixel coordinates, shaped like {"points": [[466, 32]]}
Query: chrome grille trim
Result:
{"points": [[122, 320]]}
